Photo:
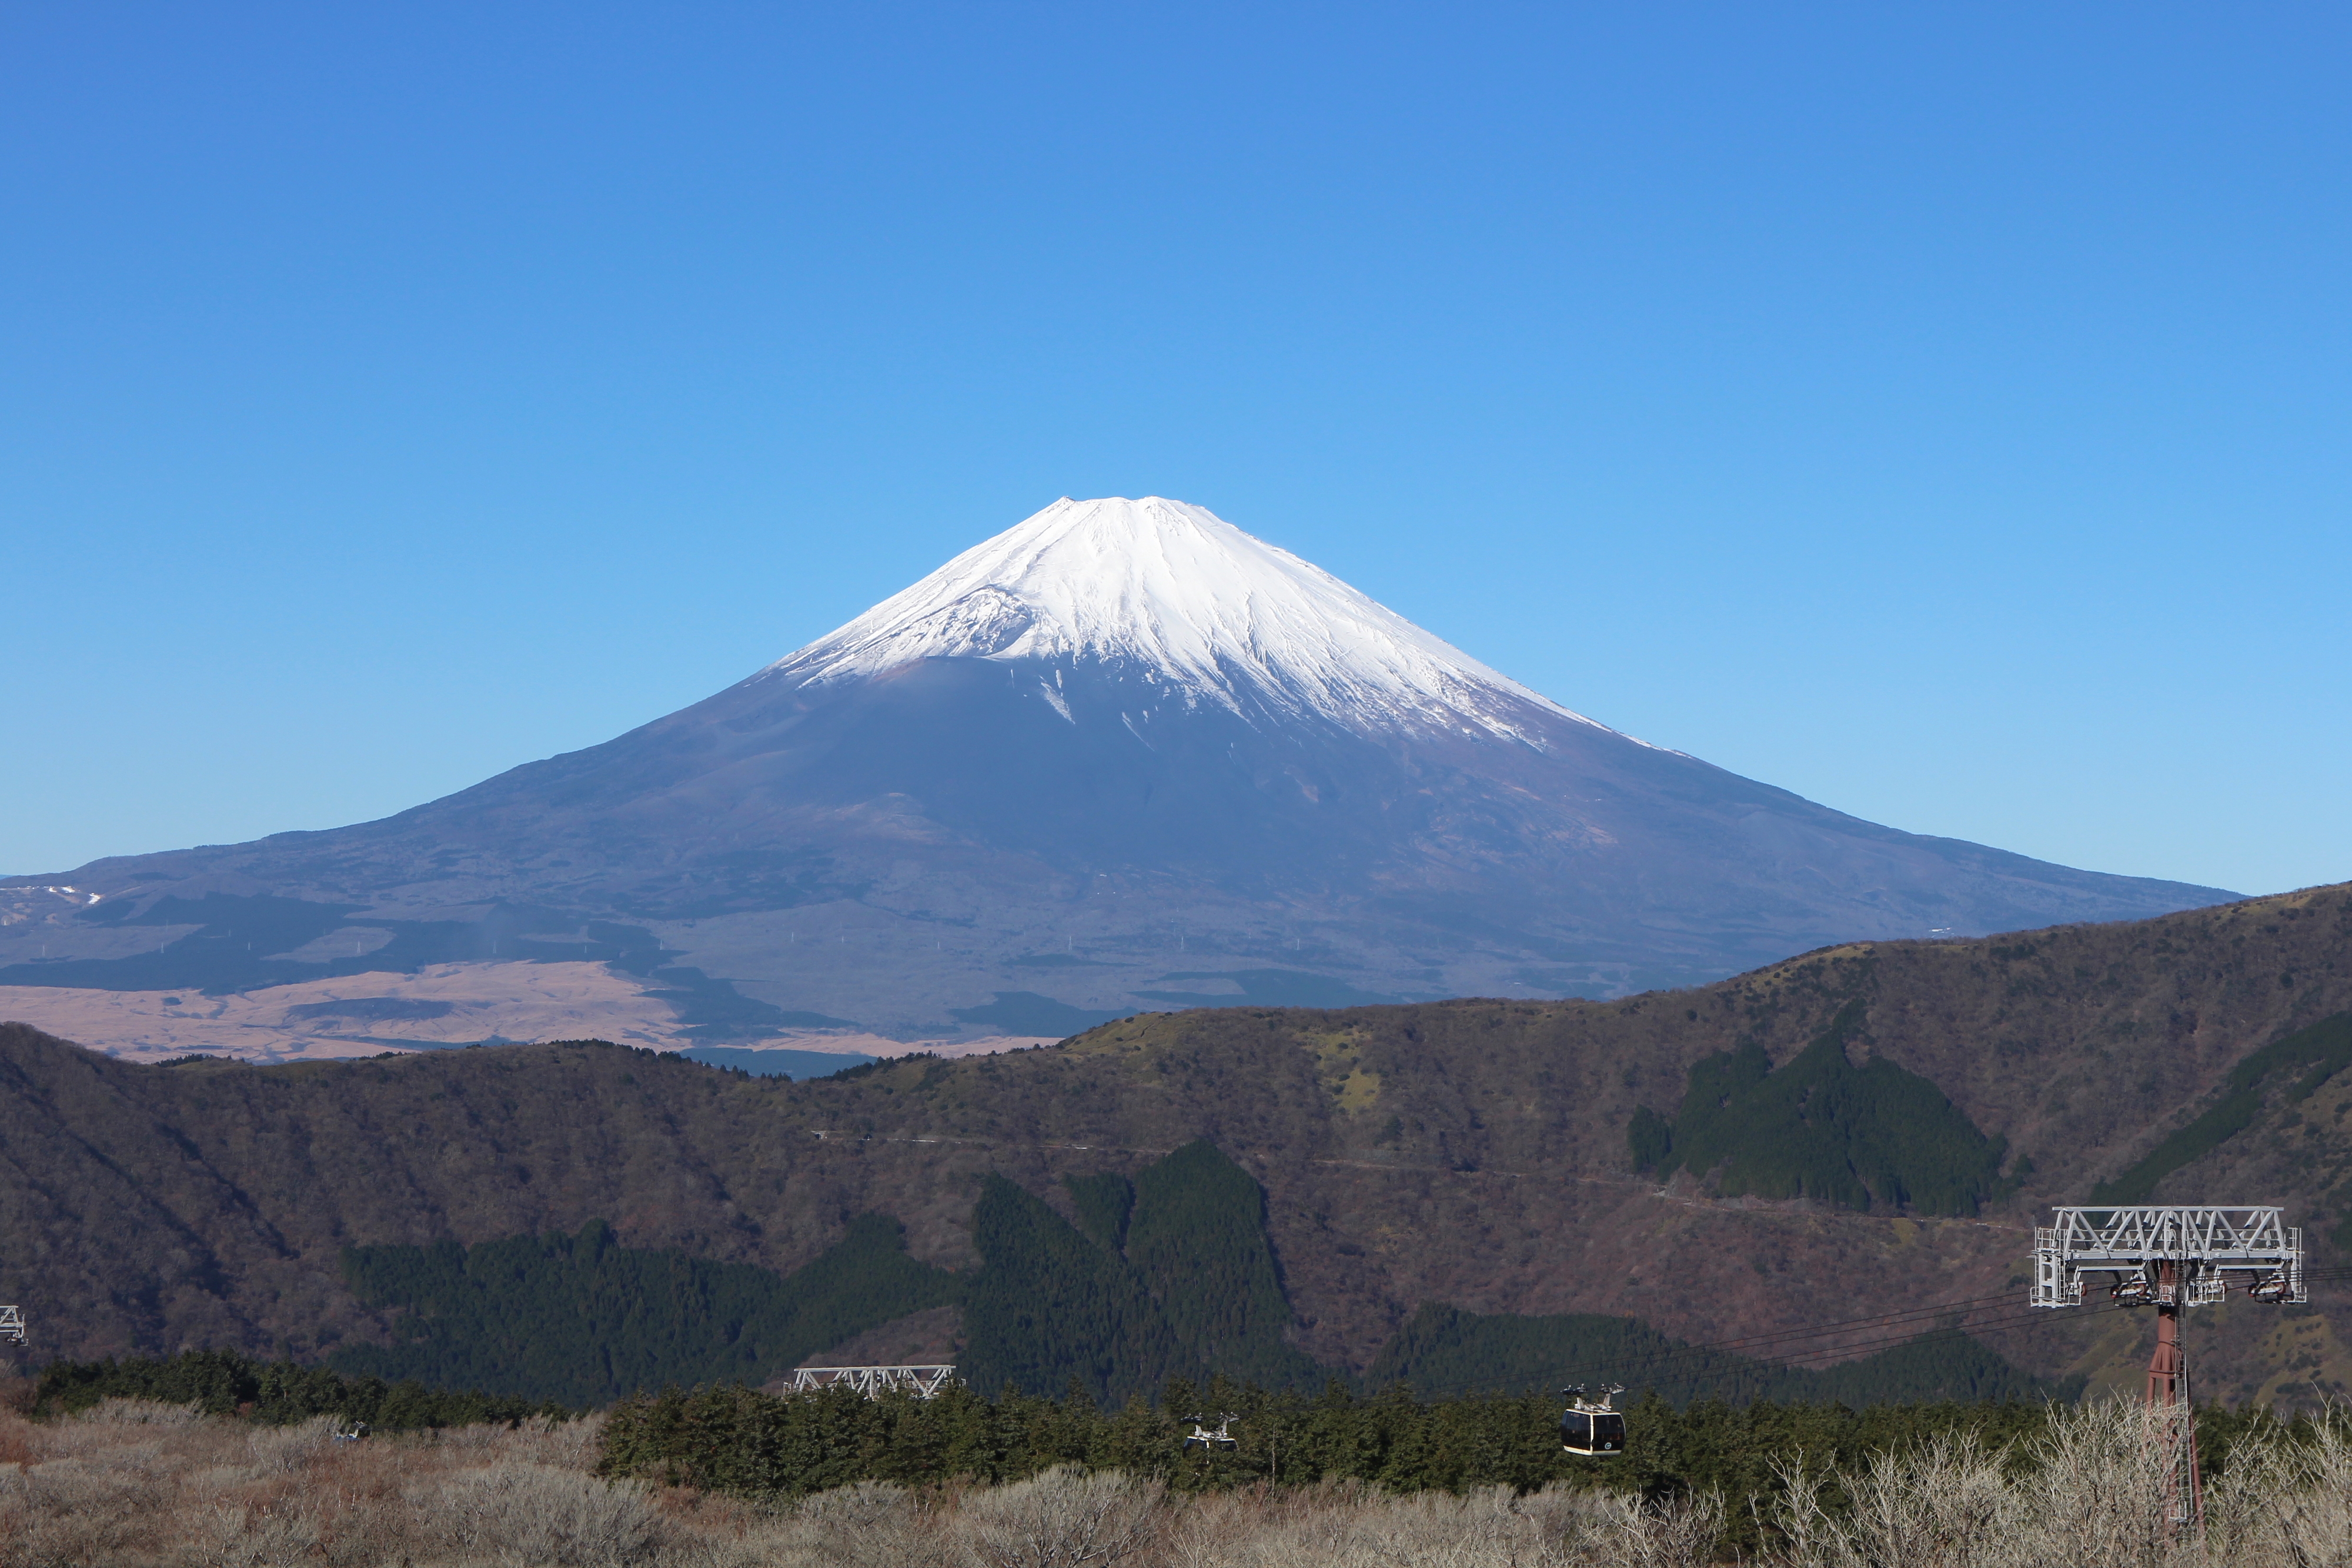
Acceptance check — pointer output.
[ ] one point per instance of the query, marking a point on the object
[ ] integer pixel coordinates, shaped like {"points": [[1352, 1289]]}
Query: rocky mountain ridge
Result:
{"points": [[1473, 1154]]}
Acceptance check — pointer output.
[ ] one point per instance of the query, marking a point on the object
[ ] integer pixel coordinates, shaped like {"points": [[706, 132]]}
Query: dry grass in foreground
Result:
{"points": [[130, 1483]]}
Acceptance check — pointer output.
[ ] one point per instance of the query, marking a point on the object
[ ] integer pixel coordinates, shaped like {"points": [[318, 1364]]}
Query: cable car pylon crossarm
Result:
{"points": [[2171, 1258]]}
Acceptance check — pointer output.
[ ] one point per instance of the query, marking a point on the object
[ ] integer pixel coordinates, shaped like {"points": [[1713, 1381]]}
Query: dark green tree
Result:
{"points": [[1822, 1127], [1048, 1306], [1198, 1240]]}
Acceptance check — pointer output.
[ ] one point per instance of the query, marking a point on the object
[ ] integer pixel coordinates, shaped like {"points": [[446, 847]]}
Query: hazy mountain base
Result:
{"points": [[779, 1063], [439, 1008], [1472, 1152]]}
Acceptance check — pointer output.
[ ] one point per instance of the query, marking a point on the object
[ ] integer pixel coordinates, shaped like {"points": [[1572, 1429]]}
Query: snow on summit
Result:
{"points": [[1223, 617]]}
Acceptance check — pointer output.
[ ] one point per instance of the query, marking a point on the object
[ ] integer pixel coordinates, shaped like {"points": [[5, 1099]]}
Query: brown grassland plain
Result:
{"points": [[137, 1484]]}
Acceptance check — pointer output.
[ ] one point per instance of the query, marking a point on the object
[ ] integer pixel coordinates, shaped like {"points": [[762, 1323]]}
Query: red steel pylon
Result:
{"points": [[2170, 1256], [2171, 1427]]}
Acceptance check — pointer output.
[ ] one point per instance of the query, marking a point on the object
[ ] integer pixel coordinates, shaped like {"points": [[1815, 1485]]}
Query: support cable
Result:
{"points": [[1691, 1357], [1648, 1372]]}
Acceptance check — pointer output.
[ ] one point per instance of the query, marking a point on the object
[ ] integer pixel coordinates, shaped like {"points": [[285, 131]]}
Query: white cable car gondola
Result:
{"points": [[1597, 1430]]}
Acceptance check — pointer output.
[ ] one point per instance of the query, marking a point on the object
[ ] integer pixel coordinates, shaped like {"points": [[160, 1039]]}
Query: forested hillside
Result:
{"points": [[1819, 1126], [1925, 1099], [1188, 1290], [579, 1320], [1170, 1275], [583, 1321]]}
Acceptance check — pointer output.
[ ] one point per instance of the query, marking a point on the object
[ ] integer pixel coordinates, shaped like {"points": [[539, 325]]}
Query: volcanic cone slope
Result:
{"points": [[1123, 755]]}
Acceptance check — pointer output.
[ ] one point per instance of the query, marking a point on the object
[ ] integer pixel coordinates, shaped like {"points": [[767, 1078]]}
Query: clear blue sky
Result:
{"points": [[1940, 410]]}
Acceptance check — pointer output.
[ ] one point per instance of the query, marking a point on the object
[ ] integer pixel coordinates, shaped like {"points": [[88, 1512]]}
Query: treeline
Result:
{"points": [[755, 1446], [223, 1382]]}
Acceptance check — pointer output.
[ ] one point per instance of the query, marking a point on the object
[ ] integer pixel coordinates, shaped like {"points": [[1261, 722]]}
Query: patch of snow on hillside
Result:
{"points": [[1224, 617]]}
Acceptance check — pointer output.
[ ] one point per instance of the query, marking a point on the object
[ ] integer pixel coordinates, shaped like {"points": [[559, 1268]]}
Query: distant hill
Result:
{"points": [[1122, 756], [1479, 1155]]}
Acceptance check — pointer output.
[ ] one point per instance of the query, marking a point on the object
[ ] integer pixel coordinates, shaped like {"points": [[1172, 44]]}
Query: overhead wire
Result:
{"points": [[1997, 1325], [1746, 1342], [1688, 1356], [1693, 1357], [2014, 1320], [2003, 1325], [1669, 1365], [1675, 1358], [1817, 1331], [1698, 1351]]}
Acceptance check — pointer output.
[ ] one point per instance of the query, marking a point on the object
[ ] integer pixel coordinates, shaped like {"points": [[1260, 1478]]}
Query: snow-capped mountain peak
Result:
{"points": [[1221, 616]]}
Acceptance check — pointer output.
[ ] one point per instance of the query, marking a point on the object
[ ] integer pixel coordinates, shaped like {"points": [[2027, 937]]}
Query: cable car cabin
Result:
{"points": [[1595, 1431], [1601, 1433]]}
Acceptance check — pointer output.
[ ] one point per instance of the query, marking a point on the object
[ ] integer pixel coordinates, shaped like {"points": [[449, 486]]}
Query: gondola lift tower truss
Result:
{"points": [[2171, 1258]]}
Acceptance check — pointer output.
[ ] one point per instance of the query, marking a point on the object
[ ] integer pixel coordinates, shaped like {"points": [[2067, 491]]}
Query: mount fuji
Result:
{"points": [[1122, 756]]}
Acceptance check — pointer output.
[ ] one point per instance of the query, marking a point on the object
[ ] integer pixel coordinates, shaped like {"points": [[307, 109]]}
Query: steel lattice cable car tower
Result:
{"points": [[922, 1382], [2170, 1259]]}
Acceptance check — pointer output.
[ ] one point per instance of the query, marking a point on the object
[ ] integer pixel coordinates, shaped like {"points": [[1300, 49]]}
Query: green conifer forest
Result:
{"points": [[1170, 1275], [1818, 1126], [583, 1321]]}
